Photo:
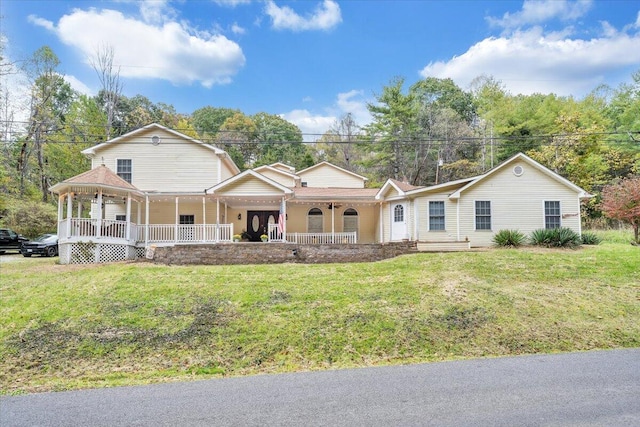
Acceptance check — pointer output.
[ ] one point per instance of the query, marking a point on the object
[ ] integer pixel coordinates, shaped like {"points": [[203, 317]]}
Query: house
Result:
{"points": [[157, 187]]}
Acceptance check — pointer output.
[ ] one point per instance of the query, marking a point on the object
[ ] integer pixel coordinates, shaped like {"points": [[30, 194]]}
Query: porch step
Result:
{"points": [[446, 246]]}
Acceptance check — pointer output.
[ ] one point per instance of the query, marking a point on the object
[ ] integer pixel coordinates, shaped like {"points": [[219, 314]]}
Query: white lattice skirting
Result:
{"points": [[96, 253]]}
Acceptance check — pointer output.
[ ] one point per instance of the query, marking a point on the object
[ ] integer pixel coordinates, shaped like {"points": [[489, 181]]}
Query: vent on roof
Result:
{"points": [[155, 140], [518, 170]]}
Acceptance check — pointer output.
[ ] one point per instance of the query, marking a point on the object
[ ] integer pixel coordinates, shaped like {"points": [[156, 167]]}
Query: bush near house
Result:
{"points": [[555, 238], [589, 238], [509, 238]]}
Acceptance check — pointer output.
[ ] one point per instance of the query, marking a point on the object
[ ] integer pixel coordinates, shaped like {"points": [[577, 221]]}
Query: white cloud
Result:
{"points": [[313, 126], [169, 51], [325, 16], [237, 29], [535, 12], [353, 102], [41, 22], [78, 86], [156, 11], [231, 3], [530, 61]]}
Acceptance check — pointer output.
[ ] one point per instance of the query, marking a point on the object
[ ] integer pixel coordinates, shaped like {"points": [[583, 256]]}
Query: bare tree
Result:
{"points": [[109, 77]]}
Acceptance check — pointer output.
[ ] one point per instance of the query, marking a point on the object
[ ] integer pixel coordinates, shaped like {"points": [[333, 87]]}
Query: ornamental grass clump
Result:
{"points": [[590, 239], [509, 238], [562, 237]]}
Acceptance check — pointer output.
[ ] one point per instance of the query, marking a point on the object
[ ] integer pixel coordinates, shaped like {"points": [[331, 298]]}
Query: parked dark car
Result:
{"points": [[10, 240], [46, 245]]}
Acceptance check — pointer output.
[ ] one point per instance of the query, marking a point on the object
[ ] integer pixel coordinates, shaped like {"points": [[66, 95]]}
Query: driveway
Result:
{"points": [[578, 389]]}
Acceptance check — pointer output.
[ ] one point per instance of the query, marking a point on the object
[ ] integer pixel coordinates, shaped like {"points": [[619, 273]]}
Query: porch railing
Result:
{"points": [[171, 233], [323, 238], [158, 233], [87, 227]]}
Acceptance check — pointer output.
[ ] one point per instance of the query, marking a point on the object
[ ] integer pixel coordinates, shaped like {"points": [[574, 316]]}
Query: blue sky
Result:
{"points": [[313, 61]]}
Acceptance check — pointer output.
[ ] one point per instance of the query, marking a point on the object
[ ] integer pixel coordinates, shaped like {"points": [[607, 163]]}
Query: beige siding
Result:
{"points": [[173, 165], [450, 216], [249, 185], [516, 203], [285, 180], [325, 176]]}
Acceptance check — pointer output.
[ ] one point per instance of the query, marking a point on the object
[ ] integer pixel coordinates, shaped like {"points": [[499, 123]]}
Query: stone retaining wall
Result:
{"points": [[275, 253]]}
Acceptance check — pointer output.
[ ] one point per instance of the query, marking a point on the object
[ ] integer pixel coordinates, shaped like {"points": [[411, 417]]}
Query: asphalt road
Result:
{"points": [[578, 389]]}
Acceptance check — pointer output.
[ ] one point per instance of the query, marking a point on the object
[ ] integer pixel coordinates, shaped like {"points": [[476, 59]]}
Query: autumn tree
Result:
{"points": [[51, 96], [621, 201]]}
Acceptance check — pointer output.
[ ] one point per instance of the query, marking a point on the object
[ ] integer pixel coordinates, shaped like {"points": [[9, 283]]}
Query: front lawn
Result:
{"points": [[68, 327]]}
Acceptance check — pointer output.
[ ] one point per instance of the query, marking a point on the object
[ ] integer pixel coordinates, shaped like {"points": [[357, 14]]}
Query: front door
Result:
{"points": [[398, 222], [258, 223]]}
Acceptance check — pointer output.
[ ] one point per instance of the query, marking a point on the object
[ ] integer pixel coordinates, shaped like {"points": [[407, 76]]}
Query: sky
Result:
{"points": [[313, 61]]}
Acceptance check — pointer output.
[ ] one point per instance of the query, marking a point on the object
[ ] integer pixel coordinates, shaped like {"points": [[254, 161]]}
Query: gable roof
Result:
{"points": [[325, 163], [401, 188], [521, 156], [252, 175], [283, 166], [91, 151], [276, 170], [101, 176], [442, 187]]}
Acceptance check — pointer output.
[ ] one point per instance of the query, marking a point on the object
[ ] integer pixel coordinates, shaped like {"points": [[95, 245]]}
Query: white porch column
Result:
{"points": [[99, 222], [333, 223], [61, 214], [128, 225], [204, 219], [284, 222], [79, 209], [146, 220], [175, 237], [218, 220]]}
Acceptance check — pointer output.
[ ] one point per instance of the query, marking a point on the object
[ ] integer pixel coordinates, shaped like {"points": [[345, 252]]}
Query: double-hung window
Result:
{"points": [[436, 216], [483, 215], [552, 214], [123, 169]]}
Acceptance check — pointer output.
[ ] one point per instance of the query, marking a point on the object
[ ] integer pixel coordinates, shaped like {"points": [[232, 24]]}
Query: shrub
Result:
{"points": [[590, 239], [31, 218], [556, 238], [509, 238]]}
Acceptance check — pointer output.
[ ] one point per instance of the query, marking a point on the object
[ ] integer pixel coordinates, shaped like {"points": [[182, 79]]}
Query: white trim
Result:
{"points": [[544, 213], [520, 156], [444, 214], [218, 187], [116, 160], [490, 216], [384, 189], [303, 171], [458, 219]]}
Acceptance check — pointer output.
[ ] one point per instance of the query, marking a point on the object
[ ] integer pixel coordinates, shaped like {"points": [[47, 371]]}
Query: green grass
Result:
{"points": [[69, 327]]}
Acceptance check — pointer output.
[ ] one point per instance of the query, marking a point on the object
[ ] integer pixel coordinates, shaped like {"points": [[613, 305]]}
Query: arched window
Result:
{"points": [[350, 221], [398, 213], [314, 221]]}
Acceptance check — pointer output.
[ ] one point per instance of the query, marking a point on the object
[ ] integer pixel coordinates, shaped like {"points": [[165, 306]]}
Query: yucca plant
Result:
{"points": [[562, 237], [509, 238], [590, 239]]}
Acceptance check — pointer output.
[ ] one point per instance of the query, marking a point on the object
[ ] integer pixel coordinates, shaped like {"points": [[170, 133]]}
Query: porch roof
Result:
{"points": [[99, 178], [328, 194]]}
